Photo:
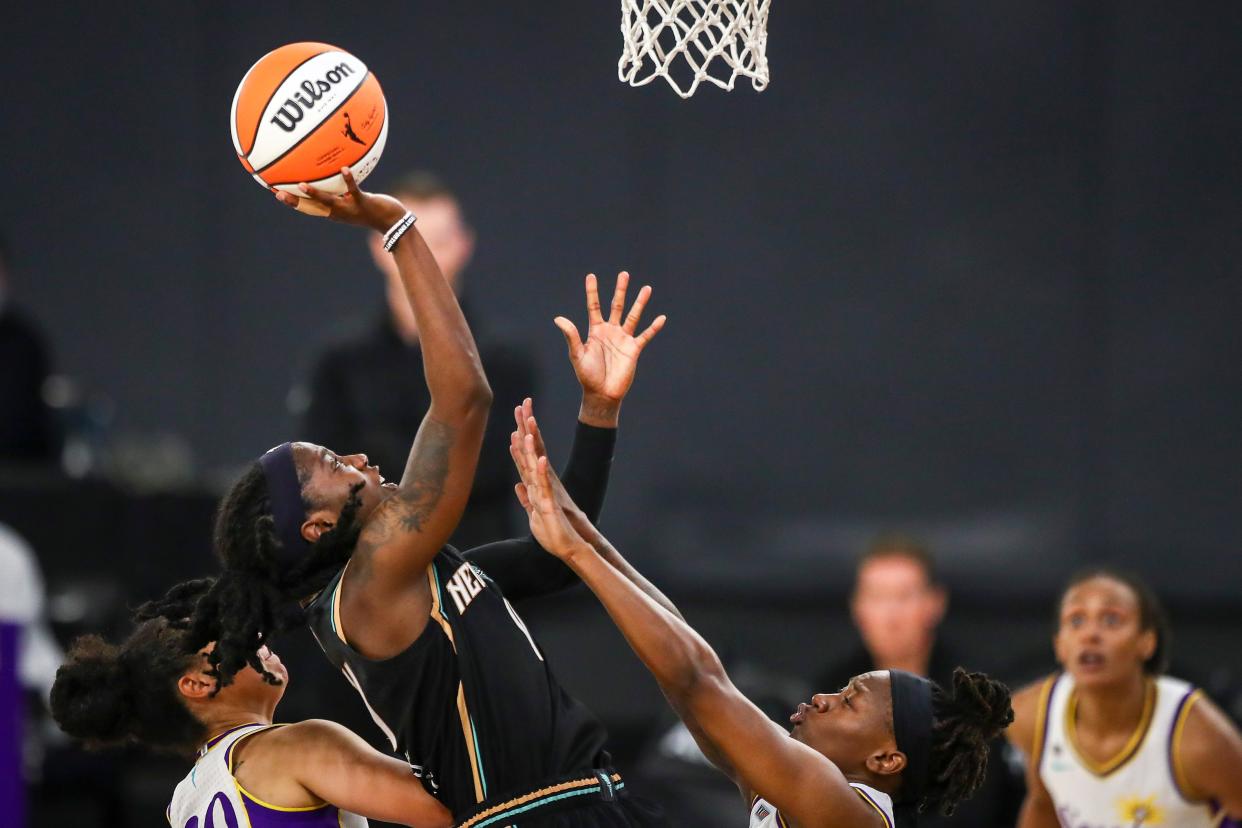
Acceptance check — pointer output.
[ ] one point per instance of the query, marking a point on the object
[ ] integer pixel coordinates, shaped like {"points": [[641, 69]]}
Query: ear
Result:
{"points": [[382, 258], [196, 685], [886, 762], [940, 604], [1147, 644], [467, 244], [317, 523]]}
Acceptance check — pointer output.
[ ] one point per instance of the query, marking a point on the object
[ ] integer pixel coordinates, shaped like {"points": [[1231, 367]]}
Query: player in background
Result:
{"points": [[885, 746], [1110, 740], [155, 690], [426, 635]]}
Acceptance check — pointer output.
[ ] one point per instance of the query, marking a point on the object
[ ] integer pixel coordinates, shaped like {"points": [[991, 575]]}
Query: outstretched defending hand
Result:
{"points": [[537, 494], [379, 212], [524, 417], [605, 363]]}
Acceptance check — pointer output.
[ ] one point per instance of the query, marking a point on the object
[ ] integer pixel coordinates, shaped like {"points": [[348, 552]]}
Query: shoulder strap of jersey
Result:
{"points": [[868, 795], [1042, 710], [1188, 700]]}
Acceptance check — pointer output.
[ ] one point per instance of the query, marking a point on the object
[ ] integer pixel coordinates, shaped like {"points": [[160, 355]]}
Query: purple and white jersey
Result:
{"points": [[211, 797], [1140, 786], [764, 815]]}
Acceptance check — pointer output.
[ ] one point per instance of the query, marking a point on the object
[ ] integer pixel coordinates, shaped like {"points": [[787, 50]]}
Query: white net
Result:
{"points": [[687, 42]]}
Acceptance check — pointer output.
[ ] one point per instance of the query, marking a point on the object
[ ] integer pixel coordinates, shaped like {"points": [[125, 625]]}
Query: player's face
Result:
{"points": [[248, 688], [896, 609], [851, 725], [333, 476], [1100, 640]]}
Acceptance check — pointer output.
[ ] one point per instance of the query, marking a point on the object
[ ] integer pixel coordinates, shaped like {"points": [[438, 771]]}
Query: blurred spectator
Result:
{"points": [[29, 657], [367, 392], [27, 432], [897, 605]]}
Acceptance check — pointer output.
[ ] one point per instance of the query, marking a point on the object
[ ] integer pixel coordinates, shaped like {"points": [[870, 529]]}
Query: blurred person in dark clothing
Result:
{"points": [[366, 391], [27, 431], [897, 605]]}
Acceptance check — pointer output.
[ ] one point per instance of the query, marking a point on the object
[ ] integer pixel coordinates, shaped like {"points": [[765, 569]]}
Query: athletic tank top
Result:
{"points": [[1141, 785], [763, 815], [471, 704], [211, 797]]}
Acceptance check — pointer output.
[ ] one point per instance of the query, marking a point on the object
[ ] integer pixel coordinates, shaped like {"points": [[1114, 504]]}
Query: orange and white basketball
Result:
{"points": [[304, 111]]}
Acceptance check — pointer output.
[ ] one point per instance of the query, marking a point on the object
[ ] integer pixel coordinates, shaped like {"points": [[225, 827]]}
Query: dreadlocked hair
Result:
{"points": [[109, 695], [256, 598], [965, 720]]}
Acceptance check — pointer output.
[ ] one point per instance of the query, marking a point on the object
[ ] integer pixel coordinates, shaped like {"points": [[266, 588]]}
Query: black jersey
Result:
{"points": [[471, 703]]}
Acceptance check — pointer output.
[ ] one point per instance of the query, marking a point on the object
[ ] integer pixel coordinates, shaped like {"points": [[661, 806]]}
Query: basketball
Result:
{"points": [[305, 110]]}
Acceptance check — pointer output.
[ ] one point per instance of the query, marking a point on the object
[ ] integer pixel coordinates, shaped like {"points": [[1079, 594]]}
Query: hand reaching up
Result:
{"points": [[606, 362], [537, 494]]}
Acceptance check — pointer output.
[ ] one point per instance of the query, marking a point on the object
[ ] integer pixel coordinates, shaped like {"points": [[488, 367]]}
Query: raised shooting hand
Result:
{"points": [[376, 211]]}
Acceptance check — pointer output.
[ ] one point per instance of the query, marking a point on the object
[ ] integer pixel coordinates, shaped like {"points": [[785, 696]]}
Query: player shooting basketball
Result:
{"points": [[445, 665], [887, 745]]}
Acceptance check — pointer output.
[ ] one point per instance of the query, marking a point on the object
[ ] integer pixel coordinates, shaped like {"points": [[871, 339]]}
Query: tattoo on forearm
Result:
{"points": [[409, 509]]}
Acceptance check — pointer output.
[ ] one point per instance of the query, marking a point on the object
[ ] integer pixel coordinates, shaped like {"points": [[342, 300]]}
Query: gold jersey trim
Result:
{"points": [[1131, 748]]}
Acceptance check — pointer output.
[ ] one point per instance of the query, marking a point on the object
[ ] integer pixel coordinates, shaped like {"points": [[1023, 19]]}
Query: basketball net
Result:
{"points": [[687, 42]]}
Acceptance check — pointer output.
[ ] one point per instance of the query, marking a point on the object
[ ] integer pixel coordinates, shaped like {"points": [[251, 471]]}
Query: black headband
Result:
{"points": [[284, 492], [912, 725]]}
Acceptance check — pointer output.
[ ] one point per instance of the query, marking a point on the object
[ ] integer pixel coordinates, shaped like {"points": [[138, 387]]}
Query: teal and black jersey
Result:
{"points": [[471, 704]]}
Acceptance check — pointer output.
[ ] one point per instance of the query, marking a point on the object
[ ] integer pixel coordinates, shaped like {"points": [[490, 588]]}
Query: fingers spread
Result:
{"points": [[636, 312], [312, 207], [350, 182], [570, 331], [653, 329], [618, 298], [317, 194], [592, 295]]}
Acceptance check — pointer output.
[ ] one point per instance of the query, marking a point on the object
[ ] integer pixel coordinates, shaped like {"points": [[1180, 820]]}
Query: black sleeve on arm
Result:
{"points": [[589, 467], [520, 566]]}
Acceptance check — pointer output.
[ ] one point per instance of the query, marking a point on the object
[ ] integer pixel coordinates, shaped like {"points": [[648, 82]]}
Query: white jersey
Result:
{"points": [[1141, 785], [763, 815], [211, 796]]}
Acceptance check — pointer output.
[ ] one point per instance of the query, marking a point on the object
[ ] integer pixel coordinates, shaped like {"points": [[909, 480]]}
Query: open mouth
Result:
{"points": [[1091, 660], [799, 715]]}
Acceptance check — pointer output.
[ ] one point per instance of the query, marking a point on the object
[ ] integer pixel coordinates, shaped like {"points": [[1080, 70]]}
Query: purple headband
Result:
{"points": [[284, 492]]}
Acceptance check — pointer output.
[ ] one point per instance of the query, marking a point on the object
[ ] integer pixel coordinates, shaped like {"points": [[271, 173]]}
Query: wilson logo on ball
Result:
{"points": [[294, 108], [302, 112]]}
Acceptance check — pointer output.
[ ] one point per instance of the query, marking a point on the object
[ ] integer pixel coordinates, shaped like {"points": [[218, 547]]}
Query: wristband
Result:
{"points": [[398, 230]]}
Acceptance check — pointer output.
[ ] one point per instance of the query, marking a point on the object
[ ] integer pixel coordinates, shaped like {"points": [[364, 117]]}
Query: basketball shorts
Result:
{"points": [[589, 799]]}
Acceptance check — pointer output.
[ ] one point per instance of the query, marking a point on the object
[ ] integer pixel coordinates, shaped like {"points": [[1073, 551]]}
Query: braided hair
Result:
{"points": [[110, 695], [966, 718], [256, 597]]}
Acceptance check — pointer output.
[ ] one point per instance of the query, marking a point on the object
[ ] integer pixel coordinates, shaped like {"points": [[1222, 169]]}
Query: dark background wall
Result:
{"points": [[960, 260], [965, 268]]}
